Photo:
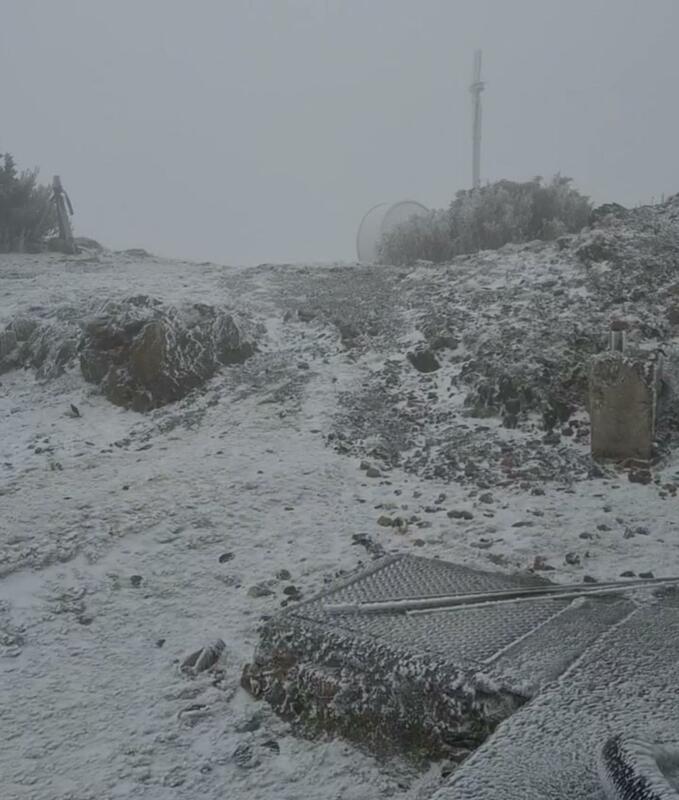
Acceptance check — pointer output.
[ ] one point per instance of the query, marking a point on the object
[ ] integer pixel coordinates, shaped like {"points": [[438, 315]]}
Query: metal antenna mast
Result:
{"points": [[476, 88]]}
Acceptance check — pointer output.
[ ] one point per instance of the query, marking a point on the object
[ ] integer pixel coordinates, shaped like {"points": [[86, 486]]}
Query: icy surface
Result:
{"points": [[120, 531], [626, 684]]}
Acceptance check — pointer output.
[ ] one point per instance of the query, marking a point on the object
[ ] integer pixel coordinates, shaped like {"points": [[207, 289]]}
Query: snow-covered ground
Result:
{"points": [[127, 540]]}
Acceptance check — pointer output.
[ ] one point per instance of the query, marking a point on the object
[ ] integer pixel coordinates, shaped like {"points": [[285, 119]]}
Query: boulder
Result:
{"points": [[144, 354]]}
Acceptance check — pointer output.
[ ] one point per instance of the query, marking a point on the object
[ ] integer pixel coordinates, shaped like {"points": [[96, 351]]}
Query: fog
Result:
{"points": [[244, 131]]}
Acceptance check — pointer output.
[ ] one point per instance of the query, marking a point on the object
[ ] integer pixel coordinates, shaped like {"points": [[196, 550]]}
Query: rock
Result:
{"points": [[572, 559], [602, 527], [646, 575], [8, 343], [424, 360], [348, 334], [306, 315], [551, 437], [292, 592], [226, 557], [244, 757], [376, 550], [160, 642], [486, 497], [385, 521], [589, 579], [642, 476], [540, 564], [586, 535], [259, 591], [628, 573], [85, 243], [444, 341], [136, 580], [250, 725], [460, 514], [629, 533], [303, 365], [283, 575], [595, 472], [641, 530], [373, 472], [144, 354], [203, 659]]}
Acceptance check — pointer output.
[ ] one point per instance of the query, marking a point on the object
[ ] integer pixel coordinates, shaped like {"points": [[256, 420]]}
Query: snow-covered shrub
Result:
{"points": [[488, 218], [27, 214]]}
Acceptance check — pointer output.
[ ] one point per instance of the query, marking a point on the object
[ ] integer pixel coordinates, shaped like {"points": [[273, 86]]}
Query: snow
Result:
{"points": [[92, 706]]}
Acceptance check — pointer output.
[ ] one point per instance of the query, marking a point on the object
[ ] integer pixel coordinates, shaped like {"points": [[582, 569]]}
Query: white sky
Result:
{"points": [[244, 131]]}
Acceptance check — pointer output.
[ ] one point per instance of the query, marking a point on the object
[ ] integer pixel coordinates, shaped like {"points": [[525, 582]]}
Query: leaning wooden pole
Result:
{"points": [[64, 208]]}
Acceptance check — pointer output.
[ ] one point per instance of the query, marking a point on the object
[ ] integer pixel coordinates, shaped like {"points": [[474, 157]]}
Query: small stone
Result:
{"points": [[586, 535], [283, 575], [259, 591], [373, 472], [628, 573], [136, 580], [365, 465], [460, 513], [552, 437], [226, 557], [603, 527], [646, 575], [203, 659], [254, 723], [523, 523], [540, 564], [302, 365], [243, 756], [573, 559], [160, 642], [486, 497], [424, 361], [629, 533], [418, 543], [642, 530], [385, 521], [642, 476], [292, 591], [589, 579]]}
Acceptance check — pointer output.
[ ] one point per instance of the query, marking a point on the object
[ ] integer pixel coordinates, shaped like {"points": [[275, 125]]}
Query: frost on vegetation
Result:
{"points": [[488, 218]]}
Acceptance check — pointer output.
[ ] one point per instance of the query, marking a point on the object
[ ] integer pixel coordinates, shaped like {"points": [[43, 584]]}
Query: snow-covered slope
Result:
{"points": [[128, 540]]}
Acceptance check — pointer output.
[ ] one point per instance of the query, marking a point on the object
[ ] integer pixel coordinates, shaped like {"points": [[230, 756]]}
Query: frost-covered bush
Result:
{"points": [[488, 218], [27, 215], [424, 237]]}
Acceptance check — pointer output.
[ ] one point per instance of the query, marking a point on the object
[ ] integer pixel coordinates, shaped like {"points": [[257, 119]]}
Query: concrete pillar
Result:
{"points": [[622, 397]]}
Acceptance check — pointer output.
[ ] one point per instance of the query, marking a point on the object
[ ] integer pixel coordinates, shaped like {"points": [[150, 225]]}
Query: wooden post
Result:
{"points": [[64, 207]]}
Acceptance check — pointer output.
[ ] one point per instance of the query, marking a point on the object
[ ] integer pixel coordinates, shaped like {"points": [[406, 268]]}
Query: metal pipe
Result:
{"points": [[444, 602]]}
